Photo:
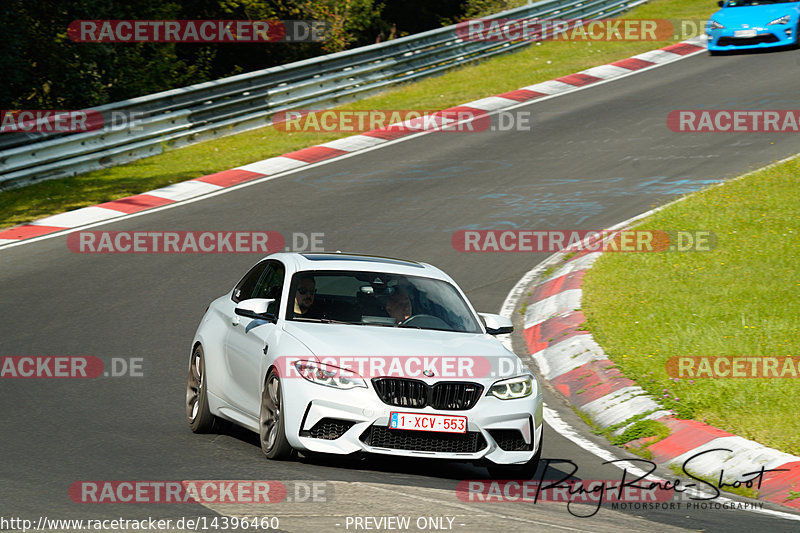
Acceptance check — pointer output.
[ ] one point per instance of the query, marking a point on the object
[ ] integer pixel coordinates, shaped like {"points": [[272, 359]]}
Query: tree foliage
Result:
{"points": [[43, 69]]}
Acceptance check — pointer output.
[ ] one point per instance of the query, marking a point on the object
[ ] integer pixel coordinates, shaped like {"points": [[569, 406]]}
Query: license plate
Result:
{"points": [[418, 422], [745, 33]]}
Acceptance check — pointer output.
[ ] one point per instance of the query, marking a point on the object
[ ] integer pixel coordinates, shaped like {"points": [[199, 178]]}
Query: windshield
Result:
{"points": [[744, 3], [378, 299]]}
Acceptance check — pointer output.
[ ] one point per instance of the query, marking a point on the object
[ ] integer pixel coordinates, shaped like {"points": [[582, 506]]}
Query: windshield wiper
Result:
{"points": [[320, 320]]}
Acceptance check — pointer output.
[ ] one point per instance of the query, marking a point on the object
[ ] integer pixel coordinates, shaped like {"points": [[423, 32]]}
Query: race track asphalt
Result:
{"points": [[593, 158]]}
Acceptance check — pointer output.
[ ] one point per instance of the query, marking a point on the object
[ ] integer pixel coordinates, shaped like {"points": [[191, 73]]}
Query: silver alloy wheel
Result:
{"points": [[194, 385], [198, 414], [270, 412]]}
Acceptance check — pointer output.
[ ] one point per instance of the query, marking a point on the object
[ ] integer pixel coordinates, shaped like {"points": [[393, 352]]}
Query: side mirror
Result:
{"points": [[496, 324], [256, 308]]}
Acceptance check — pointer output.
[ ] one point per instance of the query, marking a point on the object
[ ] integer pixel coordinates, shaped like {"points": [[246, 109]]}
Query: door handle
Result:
{"points": [[266, 347]]}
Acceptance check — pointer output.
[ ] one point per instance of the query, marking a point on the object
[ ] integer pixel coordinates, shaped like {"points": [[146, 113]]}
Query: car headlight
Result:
{"points": [[783, 20], [513, 388], [714, 25], [328, 375]]}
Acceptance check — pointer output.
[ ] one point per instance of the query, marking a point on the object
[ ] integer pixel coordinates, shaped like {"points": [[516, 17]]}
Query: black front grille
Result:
{"points": [[747, 41], [416, 394], [402, 392], [510, 440], [423, 441], [328, 429]]}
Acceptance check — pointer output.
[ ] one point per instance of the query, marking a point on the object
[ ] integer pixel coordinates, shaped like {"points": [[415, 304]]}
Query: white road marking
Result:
{"points": [[78, 217], [184, 190]]}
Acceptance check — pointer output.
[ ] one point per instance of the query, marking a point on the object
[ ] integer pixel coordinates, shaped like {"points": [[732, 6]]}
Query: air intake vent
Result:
{"points": [[423, 441]]}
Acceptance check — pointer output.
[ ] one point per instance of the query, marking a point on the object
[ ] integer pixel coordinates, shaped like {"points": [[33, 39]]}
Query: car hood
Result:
{"points": [[753, 16], [331, 341]]}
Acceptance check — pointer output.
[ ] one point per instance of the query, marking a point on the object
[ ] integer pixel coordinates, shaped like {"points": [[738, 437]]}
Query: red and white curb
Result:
{"points": [[576, 366], [275, 166]]}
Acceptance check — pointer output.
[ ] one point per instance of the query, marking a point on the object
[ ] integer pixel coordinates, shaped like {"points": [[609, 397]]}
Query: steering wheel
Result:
{"points": [[422, 321]]}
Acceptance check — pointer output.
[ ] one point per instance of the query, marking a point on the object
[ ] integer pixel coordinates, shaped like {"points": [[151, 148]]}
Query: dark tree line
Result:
{"points": [[41, 68]]}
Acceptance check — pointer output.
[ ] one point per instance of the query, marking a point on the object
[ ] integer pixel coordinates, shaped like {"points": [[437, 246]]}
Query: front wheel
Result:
{"points": [[271, 426], [198, 413]]}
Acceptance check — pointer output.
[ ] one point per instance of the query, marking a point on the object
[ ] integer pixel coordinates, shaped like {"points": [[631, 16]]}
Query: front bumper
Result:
{"points": [[327, 420], [725, 39]]}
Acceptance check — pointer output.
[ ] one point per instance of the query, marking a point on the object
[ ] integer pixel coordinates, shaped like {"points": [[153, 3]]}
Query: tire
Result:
{"points": [[523, 471], [271, 423], [198, 413]]}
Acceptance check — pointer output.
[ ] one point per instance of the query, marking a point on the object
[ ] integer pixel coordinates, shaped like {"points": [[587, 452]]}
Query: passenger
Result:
{"points": [[398, 306]]}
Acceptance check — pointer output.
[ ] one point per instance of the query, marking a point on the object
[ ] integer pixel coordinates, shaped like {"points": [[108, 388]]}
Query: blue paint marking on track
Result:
{"points": [[528, 206]]}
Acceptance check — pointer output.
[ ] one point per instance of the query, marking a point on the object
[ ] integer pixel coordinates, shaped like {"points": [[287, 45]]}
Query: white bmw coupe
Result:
{"points": [[343, 353]]}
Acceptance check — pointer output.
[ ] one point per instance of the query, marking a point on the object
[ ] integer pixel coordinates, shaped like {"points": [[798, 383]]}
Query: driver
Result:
{"points": [[398, 306], [304, 297]]}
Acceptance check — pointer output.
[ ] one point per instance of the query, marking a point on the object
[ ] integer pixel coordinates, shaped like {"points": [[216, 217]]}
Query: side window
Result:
{"points": [[245, 288], [270, 285]]}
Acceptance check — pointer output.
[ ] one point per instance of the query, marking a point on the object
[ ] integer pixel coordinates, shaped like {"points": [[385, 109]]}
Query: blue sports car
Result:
{"points": [[753, 24]]}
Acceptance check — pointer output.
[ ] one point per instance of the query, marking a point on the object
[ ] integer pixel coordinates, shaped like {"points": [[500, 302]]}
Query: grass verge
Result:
{"points": [[740, 299], [539, 62], [649, 431]]}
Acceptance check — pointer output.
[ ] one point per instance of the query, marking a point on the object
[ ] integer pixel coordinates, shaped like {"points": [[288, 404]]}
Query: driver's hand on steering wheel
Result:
{"points": [[398, 306]]}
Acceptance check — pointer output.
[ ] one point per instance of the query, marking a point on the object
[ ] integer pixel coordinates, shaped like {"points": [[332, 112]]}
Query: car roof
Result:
{"points": [[302, 261]]}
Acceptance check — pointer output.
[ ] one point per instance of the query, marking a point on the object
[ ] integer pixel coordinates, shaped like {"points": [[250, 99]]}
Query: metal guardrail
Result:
{"points": [[206, 110]]}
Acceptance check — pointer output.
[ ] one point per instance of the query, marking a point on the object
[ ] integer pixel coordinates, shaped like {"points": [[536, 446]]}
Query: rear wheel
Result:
{"points": [[271, 426], [198, 413], [518, 471]]}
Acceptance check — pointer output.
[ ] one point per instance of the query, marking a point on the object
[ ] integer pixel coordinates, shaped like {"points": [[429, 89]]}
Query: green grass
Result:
{"points": [[638, 428], [741, 299], [531, 65], [547, 272]]}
